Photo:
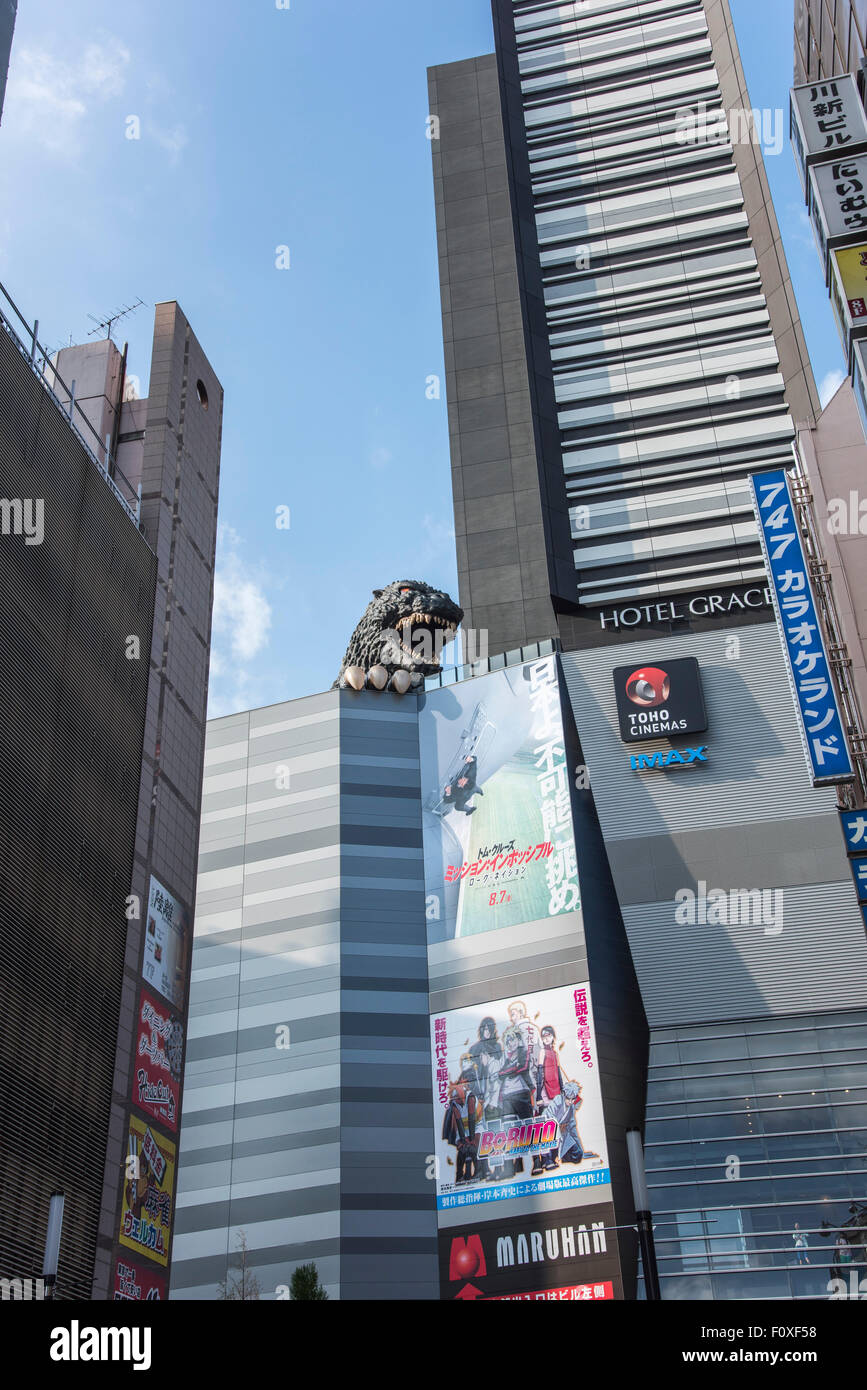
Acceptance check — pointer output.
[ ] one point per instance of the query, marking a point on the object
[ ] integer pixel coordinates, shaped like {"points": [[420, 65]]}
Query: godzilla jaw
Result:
{"points": [[422, 637]]}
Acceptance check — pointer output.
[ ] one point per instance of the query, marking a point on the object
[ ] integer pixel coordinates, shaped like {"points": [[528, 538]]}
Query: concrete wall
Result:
{"points": [[511, 521]]}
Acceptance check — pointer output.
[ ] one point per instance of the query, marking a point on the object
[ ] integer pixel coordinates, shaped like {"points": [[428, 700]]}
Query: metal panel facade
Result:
{"points": [[72, 721], [747, 818]]}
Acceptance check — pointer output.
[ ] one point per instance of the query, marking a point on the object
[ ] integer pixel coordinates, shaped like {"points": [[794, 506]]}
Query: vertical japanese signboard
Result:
{"points": [[166, 944], [827, 121], [809, 670], [499, 846]]}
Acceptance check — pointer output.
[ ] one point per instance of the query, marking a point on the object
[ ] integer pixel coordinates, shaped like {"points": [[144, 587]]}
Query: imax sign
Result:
{"points": [[643, 762]]}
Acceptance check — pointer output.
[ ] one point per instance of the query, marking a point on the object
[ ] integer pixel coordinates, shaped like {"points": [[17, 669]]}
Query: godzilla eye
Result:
{"points": [[406, 591]]}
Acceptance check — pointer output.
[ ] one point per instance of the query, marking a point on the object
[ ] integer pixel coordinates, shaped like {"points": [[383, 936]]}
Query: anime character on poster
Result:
{"points": [[459, 1124], [557, 1098], [486, 1058]]}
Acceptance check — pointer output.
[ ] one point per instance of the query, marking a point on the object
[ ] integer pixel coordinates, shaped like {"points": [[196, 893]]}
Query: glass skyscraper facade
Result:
{"points": [[755, 1145]]}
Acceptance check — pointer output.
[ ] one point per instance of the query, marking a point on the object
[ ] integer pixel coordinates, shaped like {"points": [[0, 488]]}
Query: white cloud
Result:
{"points": [[241, 627], [47, 97], [829, 385]]}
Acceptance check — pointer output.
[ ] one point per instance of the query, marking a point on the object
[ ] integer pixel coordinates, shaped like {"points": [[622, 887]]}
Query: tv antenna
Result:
{"points": [[106, 325]]}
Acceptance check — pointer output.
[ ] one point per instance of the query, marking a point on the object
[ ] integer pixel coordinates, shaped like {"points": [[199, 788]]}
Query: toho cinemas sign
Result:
{"points": [[660, 700]]}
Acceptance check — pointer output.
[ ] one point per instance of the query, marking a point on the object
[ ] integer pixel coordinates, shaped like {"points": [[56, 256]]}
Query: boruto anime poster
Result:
{"points": [[518, 1106]]}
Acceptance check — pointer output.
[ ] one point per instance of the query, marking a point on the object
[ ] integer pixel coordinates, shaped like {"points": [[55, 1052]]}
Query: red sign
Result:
{"points": [[156, 1083], [573, 1293], [135, 1283]]}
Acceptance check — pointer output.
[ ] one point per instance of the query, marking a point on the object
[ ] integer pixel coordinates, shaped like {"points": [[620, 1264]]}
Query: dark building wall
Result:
{"points": [[72, 720], [511, 522]]}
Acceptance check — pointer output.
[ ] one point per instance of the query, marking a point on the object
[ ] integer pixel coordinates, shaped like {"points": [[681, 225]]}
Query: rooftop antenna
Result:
{"points": [[106, 325]]}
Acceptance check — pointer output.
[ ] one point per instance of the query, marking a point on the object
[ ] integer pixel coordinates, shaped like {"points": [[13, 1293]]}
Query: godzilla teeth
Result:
{"points": [[413, 618]]}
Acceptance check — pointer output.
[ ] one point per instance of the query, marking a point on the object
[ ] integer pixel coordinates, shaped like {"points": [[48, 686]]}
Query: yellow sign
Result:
{"points": [[146, 1212], [852, 266]]}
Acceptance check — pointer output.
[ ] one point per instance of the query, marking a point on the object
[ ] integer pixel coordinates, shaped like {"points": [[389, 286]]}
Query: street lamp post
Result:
{"points": [[52, 1243], [642, 1211]]}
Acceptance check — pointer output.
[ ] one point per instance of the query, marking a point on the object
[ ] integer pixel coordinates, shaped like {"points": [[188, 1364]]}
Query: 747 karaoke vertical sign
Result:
{"points": [[815, 697]]}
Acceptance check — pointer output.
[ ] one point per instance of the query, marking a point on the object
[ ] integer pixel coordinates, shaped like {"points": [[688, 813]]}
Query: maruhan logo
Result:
{"points": [[77, 1343], [745, 907]]}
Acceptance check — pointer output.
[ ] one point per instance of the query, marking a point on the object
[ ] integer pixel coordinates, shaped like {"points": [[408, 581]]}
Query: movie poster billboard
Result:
{"points": [[136, 1283], [166, 944], [517, 1101], [159, 1055], [556, 1257], [147, 1206], [499, 847]]}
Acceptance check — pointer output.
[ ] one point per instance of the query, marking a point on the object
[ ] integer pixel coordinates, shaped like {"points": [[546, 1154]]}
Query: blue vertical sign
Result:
{"points": [[854, 826], [806, 658]]}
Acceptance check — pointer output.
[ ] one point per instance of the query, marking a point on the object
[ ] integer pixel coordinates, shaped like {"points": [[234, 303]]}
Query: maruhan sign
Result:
{"points": [[699, 606]]}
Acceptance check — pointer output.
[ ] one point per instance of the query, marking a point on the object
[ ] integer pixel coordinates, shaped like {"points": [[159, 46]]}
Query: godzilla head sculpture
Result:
{"points": [[400, 639]]}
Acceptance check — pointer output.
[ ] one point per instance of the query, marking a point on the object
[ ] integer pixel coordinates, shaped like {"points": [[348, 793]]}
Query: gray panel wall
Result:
{"points": [[310, 917], [746, 819], [260, 1132]]}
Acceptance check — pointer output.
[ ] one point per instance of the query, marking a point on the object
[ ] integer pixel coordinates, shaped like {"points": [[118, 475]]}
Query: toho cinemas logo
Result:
{"points": [[659, 701], [521, 1259]]}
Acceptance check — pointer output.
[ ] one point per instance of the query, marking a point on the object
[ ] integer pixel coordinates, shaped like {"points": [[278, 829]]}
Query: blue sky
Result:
{"points": [[304, 127]]}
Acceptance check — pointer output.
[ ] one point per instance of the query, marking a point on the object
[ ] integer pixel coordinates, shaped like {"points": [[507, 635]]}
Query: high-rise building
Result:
{"points": [[108, 544], [830, 38], [622, 342], [8, 11], [623, 352]]}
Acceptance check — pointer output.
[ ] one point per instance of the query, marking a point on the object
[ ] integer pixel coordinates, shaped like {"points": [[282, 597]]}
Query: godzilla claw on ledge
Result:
{"points": [[400, 639]]}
